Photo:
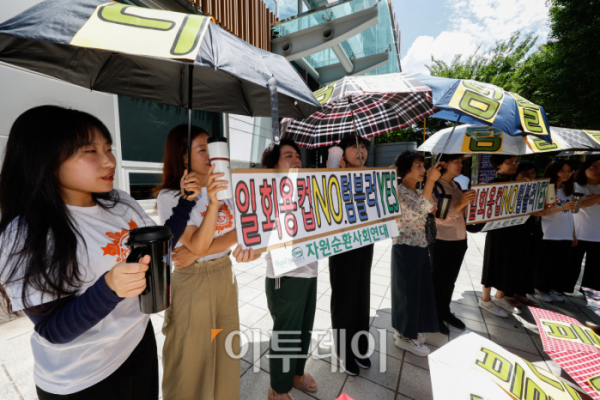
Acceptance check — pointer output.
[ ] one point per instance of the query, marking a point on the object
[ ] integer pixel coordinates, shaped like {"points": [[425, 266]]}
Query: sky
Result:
{"points": [[444, 28]]}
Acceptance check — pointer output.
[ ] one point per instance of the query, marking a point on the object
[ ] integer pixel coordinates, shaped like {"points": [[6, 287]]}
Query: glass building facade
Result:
{"points": [[384, 36]]}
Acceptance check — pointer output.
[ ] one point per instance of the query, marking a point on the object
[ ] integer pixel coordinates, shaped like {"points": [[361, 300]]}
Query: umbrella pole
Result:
{"points": [[359, 152], [190, 106], [448, 140], [424, 130]]}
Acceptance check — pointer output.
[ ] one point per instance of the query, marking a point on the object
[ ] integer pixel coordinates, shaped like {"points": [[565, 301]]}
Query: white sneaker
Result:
{"points": [[556, 296], [545, 297], [420, 337], [411, 345], [505, 304], [492, 308]]}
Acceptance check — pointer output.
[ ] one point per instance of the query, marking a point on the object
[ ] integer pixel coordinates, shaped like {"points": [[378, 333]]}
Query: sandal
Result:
{"points": [[513, 301], [272, 395], [307, 382], [527, 301]]}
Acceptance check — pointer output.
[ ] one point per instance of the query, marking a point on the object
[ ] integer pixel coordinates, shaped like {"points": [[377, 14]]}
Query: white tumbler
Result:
{"points": [[551, 194], [335, 157], [218, 151]]}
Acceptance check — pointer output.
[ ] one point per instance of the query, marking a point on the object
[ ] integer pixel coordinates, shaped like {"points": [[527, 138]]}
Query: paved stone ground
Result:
{"points": [[406, 376]]}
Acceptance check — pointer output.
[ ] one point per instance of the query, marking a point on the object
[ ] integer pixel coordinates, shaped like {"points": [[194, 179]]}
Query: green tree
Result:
{"points": [[564, 74], [499, 66]]}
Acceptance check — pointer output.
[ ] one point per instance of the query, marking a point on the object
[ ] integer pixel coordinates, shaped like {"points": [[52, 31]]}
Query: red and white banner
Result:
{"points": [[573, 346]]}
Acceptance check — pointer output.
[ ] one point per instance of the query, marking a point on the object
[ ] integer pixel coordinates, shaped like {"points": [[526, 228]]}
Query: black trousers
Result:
{"points": [[350, 278], [446, 258], [591, 275], [554, 270], [135, 379]]}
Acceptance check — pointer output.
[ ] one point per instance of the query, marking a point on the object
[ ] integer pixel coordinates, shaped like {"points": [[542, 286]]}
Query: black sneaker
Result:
{"points": [[364, 363], [455, 322], [443, 328], [351, 368]]}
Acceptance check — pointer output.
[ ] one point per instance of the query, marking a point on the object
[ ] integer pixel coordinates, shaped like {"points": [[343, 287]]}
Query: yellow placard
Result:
{"points": [[539, 145], [519, 378], [482, 139], [570, 332], [142, 31], [480, 100], [530, 114], [594, 135], [594, 382]]}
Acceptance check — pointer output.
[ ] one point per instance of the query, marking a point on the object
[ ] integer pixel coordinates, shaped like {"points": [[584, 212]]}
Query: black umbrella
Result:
{"points": [[166, 57]]}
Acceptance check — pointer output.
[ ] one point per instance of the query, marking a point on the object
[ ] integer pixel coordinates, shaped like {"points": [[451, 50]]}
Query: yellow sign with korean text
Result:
{"points": [[480, 100], [539, 145], [145, 32], [482, 139], [594, 135], [532, 121]]}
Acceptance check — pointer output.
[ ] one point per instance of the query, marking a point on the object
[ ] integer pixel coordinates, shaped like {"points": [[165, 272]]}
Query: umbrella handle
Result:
{"points": [[189, 141], [272, 83], [448, 140]]}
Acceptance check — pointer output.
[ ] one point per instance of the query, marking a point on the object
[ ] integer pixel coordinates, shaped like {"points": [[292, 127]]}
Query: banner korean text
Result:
{"points": [[279, 207], [502, 200]]}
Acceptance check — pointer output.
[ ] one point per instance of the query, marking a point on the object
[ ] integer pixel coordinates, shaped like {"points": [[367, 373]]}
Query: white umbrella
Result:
{"points": [[470, 139]]}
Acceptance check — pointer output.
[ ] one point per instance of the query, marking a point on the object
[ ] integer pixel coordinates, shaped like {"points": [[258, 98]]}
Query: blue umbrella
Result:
{"points": [[480, 103]]}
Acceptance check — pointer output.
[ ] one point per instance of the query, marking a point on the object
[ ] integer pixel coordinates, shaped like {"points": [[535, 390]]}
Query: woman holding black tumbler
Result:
{"points": [[413, 301], [450, 246], [350, 278]]}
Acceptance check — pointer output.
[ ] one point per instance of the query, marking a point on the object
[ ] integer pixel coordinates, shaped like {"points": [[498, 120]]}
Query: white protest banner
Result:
{"points": [[277, 208], [505, 223], [288, 258], [502, 200]]}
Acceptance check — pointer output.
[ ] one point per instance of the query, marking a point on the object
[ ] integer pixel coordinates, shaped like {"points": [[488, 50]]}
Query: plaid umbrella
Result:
{"points": [[573, 346], [365, 105]]}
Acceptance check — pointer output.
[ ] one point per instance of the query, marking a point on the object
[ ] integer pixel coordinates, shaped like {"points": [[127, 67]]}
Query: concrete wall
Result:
{"points": [[386, 153]]}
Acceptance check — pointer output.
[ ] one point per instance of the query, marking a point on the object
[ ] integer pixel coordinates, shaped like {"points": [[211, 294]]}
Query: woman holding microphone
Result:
{"points": [[413, 299], [450, 246]]}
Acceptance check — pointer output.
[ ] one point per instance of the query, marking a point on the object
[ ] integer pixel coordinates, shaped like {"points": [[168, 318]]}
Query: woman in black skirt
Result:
{"points": [[507, 262], [413, 300]]}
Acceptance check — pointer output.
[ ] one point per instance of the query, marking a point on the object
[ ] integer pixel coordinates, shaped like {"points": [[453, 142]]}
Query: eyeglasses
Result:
{"points": [[511, 162]]}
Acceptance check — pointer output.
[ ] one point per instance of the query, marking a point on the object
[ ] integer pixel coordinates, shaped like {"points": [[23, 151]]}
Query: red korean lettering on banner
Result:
{"points": [[268, 199], [473, 207], [491, 202], [249, 220], [304, 195], [288, 206], [498, 207], [482, 202]]}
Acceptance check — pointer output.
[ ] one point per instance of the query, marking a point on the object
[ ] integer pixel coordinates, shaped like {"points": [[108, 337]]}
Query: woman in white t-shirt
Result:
{"points": [[203, 319], [63, 235], [292, 301], [587, 231], [557, 227]]}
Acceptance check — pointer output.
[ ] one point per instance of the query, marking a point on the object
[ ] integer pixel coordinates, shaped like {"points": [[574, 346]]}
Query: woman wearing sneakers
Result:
{"points": [[511, 276], [292, 301], [557, 225], [448, 251], [63, 230], [413, 300], [587, 181]]}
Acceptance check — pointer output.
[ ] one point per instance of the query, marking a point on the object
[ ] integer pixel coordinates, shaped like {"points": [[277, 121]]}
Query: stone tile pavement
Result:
{"points": [[406, 376]]}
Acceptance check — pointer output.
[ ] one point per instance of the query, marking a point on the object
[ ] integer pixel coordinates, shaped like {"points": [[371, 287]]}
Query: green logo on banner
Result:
{"points": [[298, 254]]}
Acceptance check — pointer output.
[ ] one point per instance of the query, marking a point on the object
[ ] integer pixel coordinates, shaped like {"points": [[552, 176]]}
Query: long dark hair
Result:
{"points": [[270, 156], [34, 216], [552, 171], [580, 177], [175, 150], [448, 158]]}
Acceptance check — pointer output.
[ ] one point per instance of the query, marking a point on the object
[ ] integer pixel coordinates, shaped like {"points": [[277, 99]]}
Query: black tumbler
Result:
{"points": [[443, 206], [156, 242]]}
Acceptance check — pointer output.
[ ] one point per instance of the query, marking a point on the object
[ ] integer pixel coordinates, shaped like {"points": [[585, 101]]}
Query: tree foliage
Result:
{"points": [[499, 66]]}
